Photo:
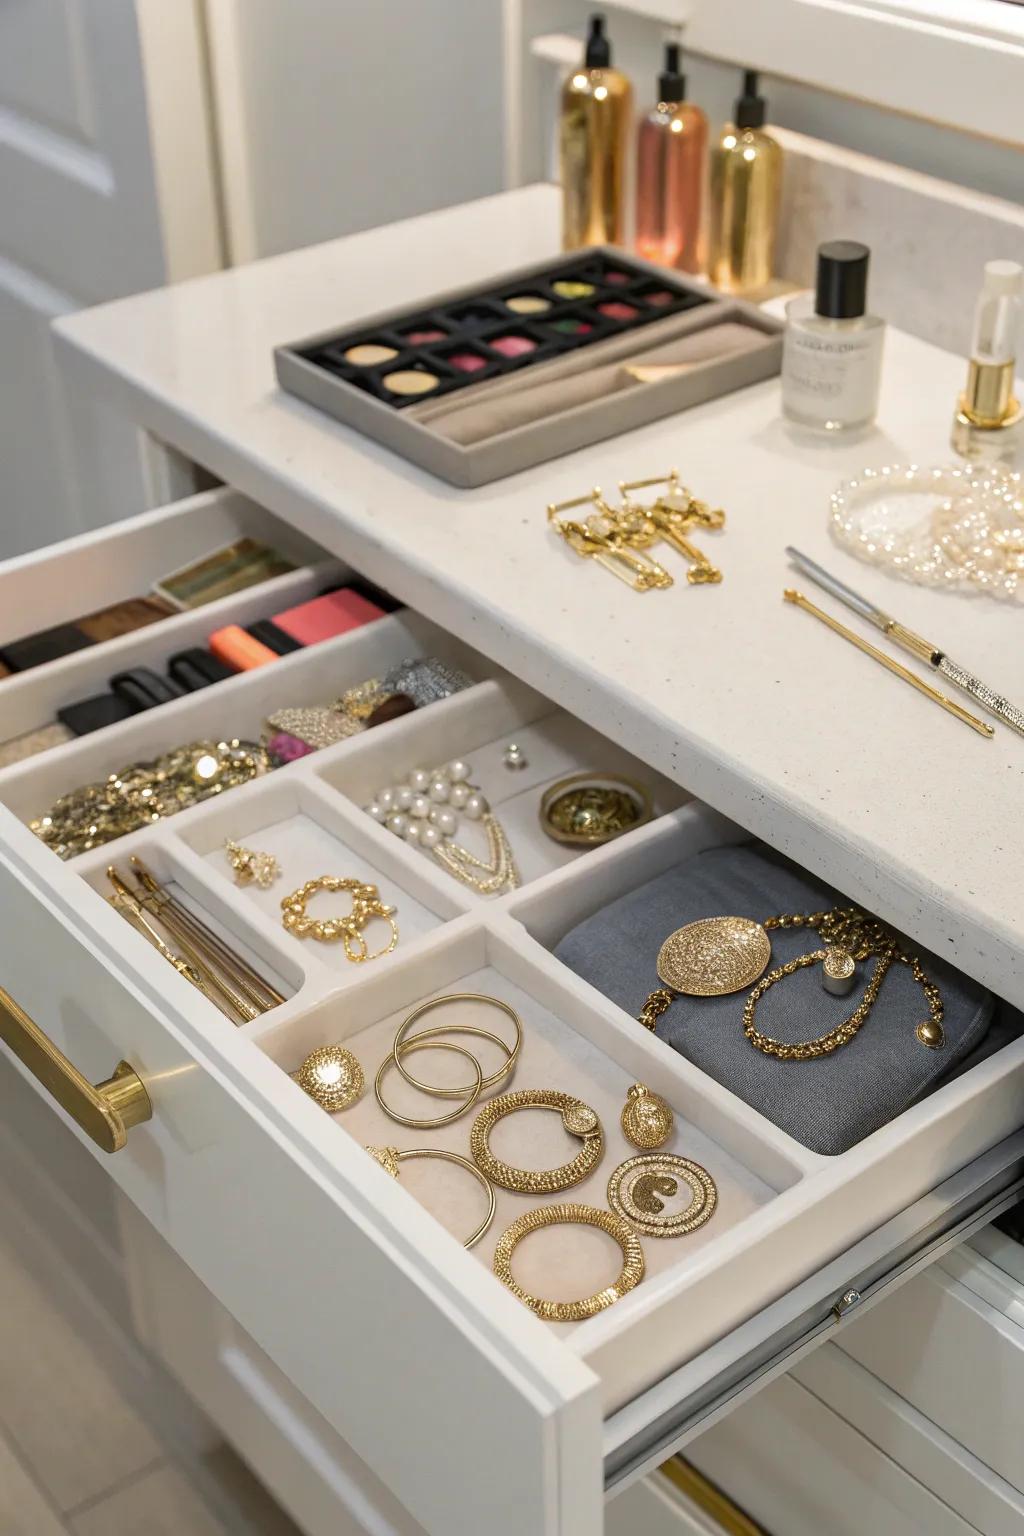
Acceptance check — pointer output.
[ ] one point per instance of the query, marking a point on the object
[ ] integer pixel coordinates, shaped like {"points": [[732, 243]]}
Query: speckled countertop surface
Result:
{"points": [[746, 701]]}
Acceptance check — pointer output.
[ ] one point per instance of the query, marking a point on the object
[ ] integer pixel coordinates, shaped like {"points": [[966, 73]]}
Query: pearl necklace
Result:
{"points": [[970, 539], [422, 810]]}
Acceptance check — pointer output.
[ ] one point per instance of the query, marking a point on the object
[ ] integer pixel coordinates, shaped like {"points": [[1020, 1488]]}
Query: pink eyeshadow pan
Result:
{"points": [[467, 362], [616, 309], [661, 297], [419, 338], [512, 346], [616, 279]]}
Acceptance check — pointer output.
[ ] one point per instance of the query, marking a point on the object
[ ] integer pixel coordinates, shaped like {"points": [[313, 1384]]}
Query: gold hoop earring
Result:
{"points": [[390, 1157], [631, 1274], [577, 1118]]}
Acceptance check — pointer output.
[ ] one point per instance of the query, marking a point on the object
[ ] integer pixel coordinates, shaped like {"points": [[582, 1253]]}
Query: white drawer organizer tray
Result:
{"points": [[469, 1409]]}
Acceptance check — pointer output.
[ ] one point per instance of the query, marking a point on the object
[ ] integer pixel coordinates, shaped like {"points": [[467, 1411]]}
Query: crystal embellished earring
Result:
{"points": [[514, 756], [251, 866]]}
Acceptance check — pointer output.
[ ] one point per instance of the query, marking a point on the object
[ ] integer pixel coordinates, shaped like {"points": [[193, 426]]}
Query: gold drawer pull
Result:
{"points": [[105, 1113]]}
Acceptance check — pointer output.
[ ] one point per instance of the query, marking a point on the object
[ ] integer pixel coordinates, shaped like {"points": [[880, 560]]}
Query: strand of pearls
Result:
{"points": [[425, 808], [422, 809], [969, 538]]}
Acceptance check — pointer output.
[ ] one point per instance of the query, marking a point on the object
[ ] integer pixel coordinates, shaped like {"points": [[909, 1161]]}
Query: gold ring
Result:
{"points": [[637, 1187], [578, 1119], [589, 808], [429, 1045], [458, 1029], [583, 1215], [390, 1157]]}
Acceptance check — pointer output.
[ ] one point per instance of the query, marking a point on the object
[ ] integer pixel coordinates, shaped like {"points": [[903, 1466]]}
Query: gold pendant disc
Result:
{"points": [[714, 956]]}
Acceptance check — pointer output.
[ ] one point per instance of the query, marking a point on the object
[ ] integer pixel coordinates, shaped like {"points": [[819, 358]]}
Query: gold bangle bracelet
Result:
{"points": [[578, 1119], [583, 1215], [390, 1157], [429, 1125], [458, 1029]]}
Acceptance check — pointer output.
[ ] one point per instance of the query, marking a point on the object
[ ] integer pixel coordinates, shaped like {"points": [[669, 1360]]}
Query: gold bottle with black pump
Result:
{"points": [[594, 129], [746, 179]]}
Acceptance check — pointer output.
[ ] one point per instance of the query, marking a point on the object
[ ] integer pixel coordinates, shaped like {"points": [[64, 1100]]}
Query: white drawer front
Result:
{"points": [[329, 1269]]}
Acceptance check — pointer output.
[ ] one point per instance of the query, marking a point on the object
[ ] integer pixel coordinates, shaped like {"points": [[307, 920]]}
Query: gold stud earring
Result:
{"points": [[646, 1119], [332, 1076]]}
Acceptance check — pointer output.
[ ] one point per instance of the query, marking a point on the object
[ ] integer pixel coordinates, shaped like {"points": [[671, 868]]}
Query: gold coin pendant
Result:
{"points": [[714, 956]]}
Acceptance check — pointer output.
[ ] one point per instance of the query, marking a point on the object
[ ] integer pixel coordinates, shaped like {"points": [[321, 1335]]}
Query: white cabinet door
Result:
{"points": [[106, 187]]}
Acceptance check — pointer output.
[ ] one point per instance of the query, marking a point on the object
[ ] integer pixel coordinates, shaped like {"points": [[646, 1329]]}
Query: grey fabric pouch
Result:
{"points": [[827, 1104]]}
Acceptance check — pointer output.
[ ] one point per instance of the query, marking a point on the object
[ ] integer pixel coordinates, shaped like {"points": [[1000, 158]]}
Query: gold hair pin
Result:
{"points": [[598, 537], [669, 517]]}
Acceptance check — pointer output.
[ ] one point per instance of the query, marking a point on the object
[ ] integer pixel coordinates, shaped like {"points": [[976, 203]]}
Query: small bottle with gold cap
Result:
{"points": [[987, 425]]}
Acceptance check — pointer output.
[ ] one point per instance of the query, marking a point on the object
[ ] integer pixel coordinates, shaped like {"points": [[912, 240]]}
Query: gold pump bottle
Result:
{"points": [[746, 179], [595, 123]]}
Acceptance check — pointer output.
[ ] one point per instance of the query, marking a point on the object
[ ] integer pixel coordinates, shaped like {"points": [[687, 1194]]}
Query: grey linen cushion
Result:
{"points": [[827, 1104]]}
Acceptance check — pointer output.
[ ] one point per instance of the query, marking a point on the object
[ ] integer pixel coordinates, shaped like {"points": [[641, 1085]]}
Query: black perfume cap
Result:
{"points": [[671, 81], [599, 51], [842, 287], [750, 107]]}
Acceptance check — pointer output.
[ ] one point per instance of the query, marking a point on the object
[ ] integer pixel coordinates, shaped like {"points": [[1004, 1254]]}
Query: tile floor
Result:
{"points": [[95, 1438]]}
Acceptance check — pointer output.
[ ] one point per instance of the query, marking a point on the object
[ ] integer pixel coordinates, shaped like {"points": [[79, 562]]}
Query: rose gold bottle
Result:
{"points": [[671, 150], [597, 105]]}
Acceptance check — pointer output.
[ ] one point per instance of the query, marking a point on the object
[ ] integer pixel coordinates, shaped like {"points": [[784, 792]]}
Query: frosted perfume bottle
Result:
{"points": [[671, 149], [594, 127], [832, 350], [746, 179]]}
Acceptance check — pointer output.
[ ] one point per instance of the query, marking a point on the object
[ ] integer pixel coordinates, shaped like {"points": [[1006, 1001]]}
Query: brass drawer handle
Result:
{"points": [[105, 1112]]}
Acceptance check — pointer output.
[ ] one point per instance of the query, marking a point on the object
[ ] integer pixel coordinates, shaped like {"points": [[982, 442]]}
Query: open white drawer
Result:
{"points": [[470, 1410]]}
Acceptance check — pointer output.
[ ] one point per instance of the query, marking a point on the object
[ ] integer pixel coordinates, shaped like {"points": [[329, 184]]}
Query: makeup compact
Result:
{"points": [[483, 382]]}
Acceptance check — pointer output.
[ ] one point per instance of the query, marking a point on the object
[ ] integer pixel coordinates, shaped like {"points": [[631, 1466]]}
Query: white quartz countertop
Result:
{"points": [[748, 702]]}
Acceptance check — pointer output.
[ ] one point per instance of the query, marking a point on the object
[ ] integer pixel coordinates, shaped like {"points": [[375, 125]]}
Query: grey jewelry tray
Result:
{"points": [[415, 431]]}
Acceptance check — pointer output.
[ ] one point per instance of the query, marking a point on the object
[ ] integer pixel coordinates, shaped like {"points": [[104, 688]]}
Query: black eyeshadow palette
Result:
{"points": [[500, 329], [489, 379]]}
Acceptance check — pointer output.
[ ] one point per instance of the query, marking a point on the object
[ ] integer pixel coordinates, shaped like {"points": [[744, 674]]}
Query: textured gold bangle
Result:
{"points": [[638, 1188], [390, 1157], [471, 1094], [512, 1052], [579, 1120], [583, 1215]]}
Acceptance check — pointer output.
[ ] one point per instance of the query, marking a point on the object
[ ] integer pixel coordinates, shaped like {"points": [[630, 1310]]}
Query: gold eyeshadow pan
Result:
{"points": [[482, 334], [369, 354], [410, 381]]}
